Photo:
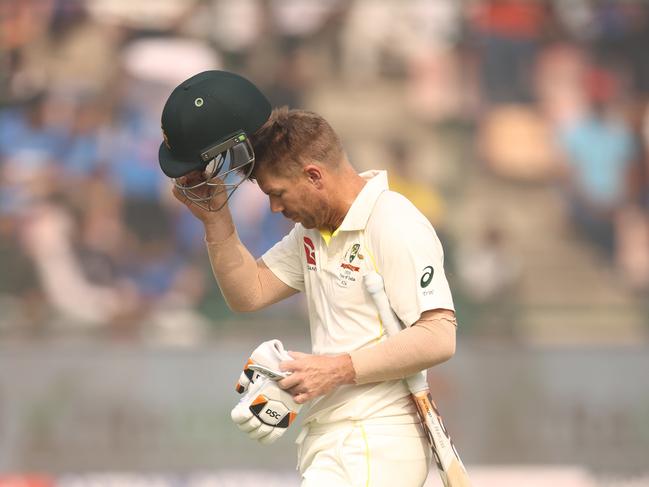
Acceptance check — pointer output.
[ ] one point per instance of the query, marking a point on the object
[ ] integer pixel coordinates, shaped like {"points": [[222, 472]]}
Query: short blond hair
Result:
{"points": [[291, 138]]}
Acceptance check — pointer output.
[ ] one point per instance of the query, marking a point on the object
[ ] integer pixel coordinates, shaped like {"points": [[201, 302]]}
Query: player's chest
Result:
{"points": [[336, 268]]}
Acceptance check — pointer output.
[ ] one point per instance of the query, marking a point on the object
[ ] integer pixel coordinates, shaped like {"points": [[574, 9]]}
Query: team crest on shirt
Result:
{"points": [[352, 253], [347, 266], [348, 272], [348, 258], [309, 250]]}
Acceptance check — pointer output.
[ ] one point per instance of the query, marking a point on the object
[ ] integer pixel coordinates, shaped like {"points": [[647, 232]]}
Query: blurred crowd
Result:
{"points": [[554, 91]]}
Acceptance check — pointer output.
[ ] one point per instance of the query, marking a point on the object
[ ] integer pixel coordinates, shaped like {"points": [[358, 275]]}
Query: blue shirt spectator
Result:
{"points": [[600, 152], [24, 134]]}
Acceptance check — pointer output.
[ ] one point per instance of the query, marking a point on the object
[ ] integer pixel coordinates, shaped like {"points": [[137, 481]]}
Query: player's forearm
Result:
{"points": [[426, 343], [235, 271], [246, 284], [219, 226]]}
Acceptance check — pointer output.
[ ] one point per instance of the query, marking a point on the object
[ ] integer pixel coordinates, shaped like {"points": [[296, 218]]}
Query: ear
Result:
{"points": [[313, 174]]}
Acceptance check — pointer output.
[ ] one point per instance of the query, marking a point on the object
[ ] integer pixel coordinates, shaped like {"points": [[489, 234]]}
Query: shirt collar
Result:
{"points": [[358, 214]]}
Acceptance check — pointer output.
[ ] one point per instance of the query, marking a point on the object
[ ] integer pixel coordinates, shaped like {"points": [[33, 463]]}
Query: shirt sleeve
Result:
{"points": [[284, 259], [409, 256]]}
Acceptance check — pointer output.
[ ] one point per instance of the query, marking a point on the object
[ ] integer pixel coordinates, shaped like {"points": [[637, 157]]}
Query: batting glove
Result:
{"points": [[265, 411]]}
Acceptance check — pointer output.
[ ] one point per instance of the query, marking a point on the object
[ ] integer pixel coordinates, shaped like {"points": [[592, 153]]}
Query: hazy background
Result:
{"points": [[519, 128]]}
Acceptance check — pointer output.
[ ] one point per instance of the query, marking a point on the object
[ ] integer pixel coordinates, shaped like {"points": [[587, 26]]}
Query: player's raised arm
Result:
{"points": [[206, 124]]}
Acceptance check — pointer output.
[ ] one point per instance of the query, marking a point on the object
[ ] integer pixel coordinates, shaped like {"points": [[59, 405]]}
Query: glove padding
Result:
{"points": [[265, 411], [268, 355]]}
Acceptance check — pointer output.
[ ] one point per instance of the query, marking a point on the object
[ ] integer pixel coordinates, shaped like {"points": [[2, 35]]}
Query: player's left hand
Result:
{"points": [[265, 411], [315, 375]]}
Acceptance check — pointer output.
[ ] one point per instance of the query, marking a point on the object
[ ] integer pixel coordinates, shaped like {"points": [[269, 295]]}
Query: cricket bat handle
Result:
{"points": [[449, 464]]}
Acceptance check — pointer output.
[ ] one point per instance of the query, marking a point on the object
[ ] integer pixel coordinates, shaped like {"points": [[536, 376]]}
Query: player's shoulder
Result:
{"points": [[299, 234], [396, 219], [294, 236], [394, 207], [397, 229]]}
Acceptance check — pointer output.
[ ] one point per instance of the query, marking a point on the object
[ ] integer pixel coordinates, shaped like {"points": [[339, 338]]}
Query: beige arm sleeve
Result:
{"points": [[246, 284], [428, 342]]}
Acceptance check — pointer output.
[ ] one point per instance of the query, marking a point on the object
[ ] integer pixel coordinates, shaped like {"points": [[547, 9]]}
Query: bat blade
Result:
{"points": [[449, 464]]}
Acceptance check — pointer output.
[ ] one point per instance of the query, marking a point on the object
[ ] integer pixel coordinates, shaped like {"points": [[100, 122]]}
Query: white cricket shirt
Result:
{"points": [[382, 231]]}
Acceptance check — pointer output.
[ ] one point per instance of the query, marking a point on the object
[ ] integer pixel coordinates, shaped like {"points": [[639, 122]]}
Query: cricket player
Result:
{"points": [[360, 427]]}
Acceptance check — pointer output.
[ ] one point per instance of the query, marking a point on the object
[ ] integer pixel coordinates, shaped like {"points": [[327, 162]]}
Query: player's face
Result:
{"points": [[295, 198]]}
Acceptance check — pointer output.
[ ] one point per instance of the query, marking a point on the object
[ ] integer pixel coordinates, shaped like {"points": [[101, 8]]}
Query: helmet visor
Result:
{"points": [[229, 164]]}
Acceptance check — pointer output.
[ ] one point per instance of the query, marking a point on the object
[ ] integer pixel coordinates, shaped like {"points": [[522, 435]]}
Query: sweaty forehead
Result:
{"points": [[270, 183]]}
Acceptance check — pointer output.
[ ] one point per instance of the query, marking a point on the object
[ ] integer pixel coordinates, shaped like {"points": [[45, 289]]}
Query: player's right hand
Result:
{"points": [[214, 194], [265, 411]]}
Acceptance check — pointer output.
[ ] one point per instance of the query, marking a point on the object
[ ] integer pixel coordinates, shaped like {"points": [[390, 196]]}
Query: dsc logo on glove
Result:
{"points": [[273, 414]]}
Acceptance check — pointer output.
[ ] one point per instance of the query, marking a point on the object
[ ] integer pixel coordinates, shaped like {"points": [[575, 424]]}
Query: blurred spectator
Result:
{"points": [[24, 21], [515, 141], [599, 149], [23, 29], [509, 33], [48, 241], [30, 144], [82, 55], [560, 74], [438, 86], [382, 37]]}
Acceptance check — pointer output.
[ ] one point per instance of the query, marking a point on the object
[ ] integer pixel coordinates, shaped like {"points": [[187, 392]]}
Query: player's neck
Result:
{"points": [[348, 186]]}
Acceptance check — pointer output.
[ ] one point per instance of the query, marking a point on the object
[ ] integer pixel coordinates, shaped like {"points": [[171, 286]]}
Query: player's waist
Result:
{"points": [[407, 418], [368, 401], [316, 428]]}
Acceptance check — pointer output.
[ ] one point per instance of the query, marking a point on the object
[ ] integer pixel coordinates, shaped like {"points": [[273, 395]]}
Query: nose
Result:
{"points": [[275, 205]]}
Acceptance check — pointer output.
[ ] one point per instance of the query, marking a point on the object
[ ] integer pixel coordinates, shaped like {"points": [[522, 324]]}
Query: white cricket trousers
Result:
{"points": [[363, 454]]}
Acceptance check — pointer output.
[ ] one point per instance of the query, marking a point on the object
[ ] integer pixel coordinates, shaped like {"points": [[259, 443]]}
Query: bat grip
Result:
{"points": [[417, 383]]}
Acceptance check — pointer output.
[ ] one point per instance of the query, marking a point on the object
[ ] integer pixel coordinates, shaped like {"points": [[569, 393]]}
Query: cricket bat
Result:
{"points": [[450, 467]]}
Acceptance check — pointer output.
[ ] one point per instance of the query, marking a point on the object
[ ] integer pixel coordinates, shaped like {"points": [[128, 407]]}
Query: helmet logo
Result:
{"points": [[198, 102], [166, 139]]}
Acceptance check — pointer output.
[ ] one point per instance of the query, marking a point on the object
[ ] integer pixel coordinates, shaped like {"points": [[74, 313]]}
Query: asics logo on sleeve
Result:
{"points": [[427, 276]]}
